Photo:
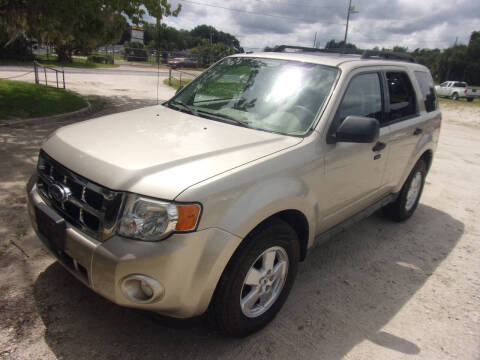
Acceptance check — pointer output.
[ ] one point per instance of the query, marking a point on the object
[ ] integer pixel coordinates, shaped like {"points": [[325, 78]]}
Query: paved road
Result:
{"points": [[122, 70], [130, 82]]}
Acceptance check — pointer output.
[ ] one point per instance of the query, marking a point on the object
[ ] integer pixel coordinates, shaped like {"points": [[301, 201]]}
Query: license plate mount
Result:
{"points": [[52, 226]]}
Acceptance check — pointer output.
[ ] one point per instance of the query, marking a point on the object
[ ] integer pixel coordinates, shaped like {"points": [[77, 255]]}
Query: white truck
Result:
{"points": [[456, 90]]}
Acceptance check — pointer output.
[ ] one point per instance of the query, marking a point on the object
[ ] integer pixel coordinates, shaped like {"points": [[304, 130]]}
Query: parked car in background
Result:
{"points": [[209, 201], [456, 90], [183, 62]]}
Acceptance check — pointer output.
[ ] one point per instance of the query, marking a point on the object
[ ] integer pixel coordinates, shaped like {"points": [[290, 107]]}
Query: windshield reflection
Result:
{"points": [[266, 94]]}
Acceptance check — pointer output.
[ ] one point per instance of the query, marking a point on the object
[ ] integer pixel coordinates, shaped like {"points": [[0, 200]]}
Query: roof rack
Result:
{"points": [[389, 55], [365, 54], [282, 48]]}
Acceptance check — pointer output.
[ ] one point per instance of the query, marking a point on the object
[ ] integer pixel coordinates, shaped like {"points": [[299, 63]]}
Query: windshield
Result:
{"points": [[266, 94]]}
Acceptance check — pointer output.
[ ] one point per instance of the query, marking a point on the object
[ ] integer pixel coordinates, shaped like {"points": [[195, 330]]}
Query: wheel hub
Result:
{"points": [[414, 190], [264, 282]]}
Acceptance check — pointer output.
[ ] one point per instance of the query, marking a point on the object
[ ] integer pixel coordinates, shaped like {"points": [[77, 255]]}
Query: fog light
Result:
{"points": [[141, 289]]}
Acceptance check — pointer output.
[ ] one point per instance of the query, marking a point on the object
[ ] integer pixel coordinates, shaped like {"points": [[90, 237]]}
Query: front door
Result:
{"points": [[354, 172]]}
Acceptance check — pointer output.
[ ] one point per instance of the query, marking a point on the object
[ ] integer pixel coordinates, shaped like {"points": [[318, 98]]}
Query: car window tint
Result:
{"points": [[444, 84], [426, 86], [362, 98], [459, 84], [402, 96]]}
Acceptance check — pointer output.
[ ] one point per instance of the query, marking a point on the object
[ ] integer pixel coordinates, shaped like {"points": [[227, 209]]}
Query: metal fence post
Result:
{"points": [[180, 79], [63, 76], [56, 73], [45, 72], [35, 69], [169, 76]]}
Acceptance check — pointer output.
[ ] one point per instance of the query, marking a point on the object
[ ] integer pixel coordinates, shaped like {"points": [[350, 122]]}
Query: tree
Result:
{"points": [[19, 49], [332, 44], [72, 25], [209, 33], [209, 53]]}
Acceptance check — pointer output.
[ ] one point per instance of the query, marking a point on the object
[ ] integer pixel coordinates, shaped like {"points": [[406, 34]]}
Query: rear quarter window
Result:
{"points": [[403, 101], [425, 82]]}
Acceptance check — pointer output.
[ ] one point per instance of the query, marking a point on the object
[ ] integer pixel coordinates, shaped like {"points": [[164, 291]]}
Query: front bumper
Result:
{"points": [[188, 266]]}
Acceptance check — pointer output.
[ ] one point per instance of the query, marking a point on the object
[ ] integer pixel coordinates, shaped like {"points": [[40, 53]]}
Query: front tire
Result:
{"points": [[257, 280], [407, 201]]}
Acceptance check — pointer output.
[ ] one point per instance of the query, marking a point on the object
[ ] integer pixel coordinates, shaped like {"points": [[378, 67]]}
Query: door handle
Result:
{"points": [[379, 146], [417, 131]]}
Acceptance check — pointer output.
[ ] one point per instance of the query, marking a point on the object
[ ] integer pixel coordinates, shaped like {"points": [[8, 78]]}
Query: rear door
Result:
{"points": [[406, 123]]}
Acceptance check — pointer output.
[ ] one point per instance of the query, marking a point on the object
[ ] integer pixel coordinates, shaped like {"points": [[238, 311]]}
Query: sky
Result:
{"points": [[383, 23]]}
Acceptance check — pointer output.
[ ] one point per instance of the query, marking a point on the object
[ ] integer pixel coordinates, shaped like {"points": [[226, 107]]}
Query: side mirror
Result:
{"points": [[179, 89], [357, 129]]}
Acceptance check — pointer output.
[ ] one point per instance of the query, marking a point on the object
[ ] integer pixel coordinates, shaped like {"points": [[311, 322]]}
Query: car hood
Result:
{"points": [[157, 151]]}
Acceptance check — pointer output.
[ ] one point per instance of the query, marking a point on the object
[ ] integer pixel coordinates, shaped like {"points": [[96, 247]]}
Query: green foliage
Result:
{"points": [[168, 38], [332, 44], [207, 53], [209, 33], [175, 83], [18, 49], [100, 58], [135, 51], [72, 25], [23, 100]]}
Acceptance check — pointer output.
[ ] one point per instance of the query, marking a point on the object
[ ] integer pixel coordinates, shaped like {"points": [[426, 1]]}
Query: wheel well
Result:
{"points": [[299, 223], [427, 156]]}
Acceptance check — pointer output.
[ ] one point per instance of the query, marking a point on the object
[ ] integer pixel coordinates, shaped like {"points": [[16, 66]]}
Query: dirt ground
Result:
{"points": [[381, 290]]}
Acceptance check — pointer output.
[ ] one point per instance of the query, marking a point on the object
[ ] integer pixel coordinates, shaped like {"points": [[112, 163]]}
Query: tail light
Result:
{"points": [[465, 91]]}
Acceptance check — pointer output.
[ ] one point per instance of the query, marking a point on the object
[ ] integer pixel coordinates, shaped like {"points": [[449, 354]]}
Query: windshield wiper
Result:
{"points": [[175, 103], [227, 117]]}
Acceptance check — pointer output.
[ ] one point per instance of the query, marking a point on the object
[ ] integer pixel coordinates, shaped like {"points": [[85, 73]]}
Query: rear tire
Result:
{"points": [[455, 96], [469, 99], [231, 309], [407, 201]]}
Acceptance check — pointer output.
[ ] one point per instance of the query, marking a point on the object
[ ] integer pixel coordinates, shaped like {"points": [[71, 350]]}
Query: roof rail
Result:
{"points": [[282, 48], [389, 55], [366, 54]]}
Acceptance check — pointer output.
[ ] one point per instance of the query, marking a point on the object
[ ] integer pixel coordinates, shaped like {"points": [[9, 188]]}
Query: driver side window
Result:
{"points": [[362, 98]]}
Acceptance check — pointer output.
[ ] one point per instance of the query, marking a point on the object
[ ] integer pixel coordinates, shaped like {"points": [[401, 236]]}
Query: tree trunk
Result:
{"points": [[64, 54]]}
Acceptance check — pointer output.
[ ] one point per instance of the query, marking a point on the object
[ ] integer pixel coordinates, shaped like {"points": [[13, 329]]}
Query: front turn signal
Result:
{"points": [[188, 216]]}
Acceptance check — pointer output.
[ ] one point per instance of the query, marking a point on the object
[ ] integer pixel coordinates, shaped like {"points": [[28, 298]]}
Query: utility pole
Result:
{"points": [[351, 10], [315, 40]]}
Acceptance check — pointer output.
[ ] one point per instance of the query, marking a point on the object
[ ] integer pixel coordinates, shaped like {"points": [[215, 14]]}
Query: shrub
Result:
{"points": [[136, 54], [19, 49], [100, 58]]}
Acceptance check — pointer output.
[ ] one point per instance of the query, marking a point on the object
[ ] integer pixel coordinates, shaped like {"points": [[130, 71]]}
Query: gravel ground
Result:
{"points": [[380, 290]]}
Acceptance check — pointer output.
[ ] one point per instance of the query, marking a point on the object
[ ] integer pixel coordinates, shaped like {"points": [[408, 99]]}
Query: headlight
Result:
{"points": [[152, 220]]}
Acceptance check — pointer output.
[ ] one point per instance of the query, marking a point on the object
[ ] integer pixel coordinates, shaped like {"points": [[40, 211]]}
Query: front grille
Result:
{"points": [[90, 207]]}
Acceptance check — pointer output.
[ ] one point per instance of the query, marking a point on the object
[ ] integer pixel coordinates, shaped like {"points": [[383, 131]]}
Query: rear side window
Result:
{"points": [[362, 98], [426, 85], [402, 96], [459, 84]]}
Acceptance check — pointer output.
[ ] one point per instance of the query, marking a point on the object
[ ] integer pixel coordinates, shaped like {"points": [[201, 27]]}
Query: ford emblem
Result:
{"points": [[59, 192]]}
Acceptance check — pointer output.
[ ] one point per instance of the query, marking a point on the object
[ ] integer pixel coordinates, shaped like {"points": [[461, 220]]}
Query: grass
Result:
{"points": [[24, 100], [176, 83], [52, 61]]}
